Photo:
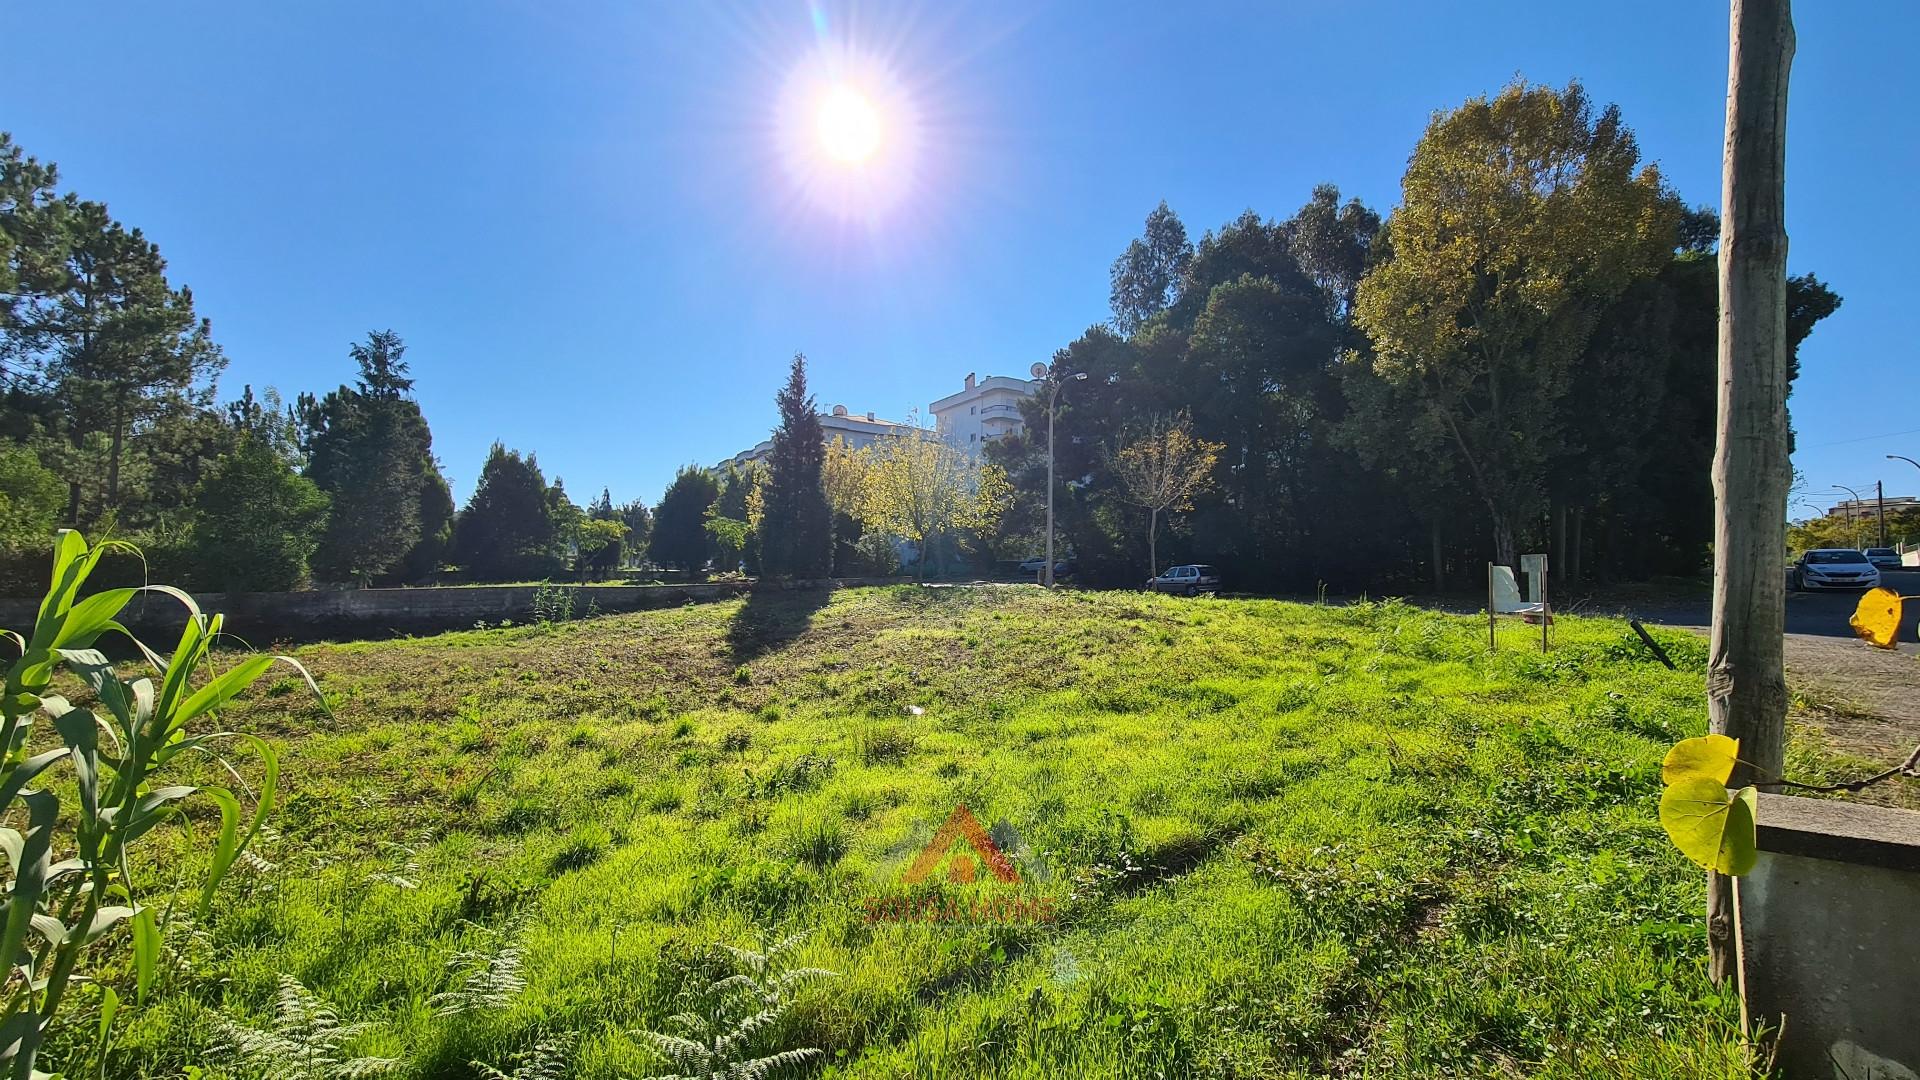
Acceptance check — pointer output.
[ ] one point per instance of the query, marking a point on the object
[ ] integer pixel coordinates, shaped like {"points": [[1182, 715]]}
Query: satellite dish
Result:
{"points": [[1038, 371], [839, 410]]}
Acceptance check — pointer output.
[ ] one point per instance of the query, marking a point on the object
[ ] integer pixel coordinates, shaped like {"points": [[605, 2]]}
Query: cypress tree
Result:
{"points": [[507, 528], [796, 533]]}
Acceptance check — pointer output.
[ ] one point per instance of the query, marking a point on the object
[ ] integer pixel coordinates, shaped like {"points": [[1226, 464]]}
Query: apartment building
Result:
{"points": [[859, 431], [982, 411]]}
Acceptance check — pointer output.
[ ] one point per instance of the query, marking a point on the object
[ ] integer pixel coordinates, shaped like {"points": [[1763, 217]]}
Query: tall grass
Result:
{"points": [[1277, 840]]}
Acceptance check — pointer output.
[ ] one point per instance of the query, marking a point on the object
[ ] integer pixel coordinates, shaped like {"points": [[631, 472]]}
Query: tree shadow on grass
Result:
{"points": [[771, 618]]}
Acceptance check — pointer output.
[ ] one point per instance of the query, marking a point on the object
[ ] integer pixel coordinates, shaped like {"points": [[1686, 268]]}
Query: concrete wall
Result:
{"points": [[261, 618], [1830, 938]]}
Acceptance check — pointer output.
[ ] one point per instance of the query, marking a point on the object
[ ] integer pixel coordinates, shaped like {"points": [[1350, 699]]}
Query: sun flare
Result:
{"points": [[850, 133], [848, 125]]}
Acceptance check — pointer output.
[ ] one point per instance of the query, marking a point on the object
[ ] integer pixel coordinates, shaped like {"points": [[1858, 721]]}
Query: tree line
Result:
{"points": [[815, 509], [1519, 356], [109, 423]]}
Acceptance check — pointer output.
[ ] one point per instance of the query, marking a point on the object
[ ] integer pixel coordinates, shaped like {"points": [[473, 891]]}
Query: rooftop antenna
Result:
{"points": [[1038, 371]]}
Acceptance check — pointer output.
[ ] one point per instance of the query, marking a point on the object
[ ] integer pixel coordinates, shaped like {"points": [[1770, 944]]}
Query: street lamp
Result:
{"points": [[1852, 533], [1059, 381], [1900, 457]]}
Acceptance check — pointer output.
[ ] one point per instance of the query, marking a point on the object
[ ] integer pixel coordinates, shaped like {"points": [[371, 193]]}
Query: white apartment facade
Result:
{"points": [[984, 410], [859, 432]]}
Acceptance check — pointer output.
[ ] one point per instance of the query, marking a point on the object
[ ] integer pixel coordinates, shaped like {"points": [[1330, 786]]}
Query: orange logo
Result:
{"points": [[961, 824]]}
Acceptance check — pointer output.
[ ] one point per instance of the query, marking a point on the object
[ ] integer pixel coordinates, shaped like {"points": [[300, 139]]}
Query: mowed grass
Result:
{"points": [[1277, 840]]}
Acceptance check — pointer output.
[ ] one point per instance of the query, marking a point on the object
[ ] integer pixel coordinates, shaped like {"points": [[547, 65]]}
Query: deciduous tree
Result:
{"points": [[923, 489], [1525, 215], [1162, 468], [256, 522]]}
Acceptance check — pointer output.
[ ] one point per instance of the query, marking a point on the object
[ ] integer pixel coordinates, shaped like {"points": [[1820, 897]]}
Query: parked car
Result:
{"points": [[1061, 567], [1884, 558], [1189, 580], [1833, 568]]}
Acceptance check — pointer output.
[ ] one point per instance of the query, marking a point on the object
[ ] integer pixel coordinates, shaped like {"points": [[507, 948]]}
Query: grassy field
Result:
{"points": [[1273, 840]]}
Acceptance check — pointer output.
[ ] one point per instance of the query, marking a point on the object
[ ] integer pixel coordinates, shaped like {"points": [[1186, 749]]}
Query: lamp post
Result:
{"points": [[1852, 533], [1900, 457], [1053, 397]]}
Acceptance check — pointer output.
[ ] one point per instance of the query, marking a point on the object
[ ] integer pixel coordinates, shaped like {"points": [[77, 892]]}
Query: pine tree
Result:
{"points": [[116, 342], [796, 533], [370, 450]]}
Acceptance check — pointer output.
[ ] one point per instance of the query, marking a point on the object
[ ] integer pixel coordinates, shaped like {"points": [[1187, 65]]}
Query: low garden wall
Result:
{"points": [[1830, 936], [261, 618]]}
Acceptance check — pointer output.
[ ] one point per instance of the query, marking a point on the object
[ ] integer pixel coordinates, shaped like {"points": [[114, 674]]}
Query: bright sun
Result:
{"points": [[848, 125]]}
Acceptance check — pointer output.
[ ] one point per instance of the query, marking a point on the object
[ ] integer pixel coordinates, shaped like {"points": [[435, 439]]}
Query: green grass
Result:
{"points": [[1280, 840]]}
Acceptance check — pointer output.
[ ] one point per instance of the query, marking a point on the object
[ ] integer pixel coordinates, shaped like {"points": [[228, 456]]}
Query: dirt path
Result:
{"points": [[1877, 691]]}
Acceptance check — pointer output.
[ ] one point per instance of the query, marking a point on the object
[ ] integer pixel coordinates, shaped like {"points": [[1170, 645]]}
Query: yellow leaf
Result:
{"points": [[1710, 825], [1877, 619], [1709, 757]]}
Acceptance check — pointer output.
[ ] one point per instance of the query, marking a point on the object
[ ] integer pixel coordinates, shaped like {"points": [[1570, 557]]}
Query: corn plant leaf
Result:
{"points": [[146, 951], [1711, 826], [109, 1008], [50, 928], [68, 572], [186, 656], [23, 774], [1877, 619], [88, 619], [220, 689], [153, 808], [80, 730], [1708, 757], [106, 919], [226, 845], [29, 871], [20, 1038]]}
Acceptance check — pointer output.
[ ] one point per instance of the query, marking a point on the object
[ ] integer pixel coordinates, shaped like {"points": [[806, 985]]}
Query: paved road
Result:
{"points": [[1823, 614]]}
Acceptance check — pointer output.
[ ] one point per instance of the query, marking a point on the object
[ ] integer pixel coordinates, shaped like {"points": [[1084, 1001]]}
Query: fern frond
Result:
{"points": [[304, 1038], [544, 1060], [759, 1068], [492, 978], [684, 1053], [737, 1011]]}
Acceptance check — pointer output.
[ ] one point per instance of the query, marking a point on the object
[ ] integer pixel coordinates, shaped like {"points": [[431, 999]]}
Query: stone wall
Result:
{"points": [[1830, 935], [262, 618]]}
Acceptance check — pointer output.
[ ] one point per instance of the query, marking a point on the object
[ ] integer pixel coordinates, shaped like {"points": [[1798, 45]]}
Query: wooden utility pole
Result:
{"points": [[1746, 680]]}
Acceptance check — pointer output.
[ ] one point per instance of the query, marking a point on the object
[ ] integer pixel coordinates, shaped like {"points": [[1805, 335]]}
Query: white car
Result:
{"points": [[1884, 558], [1189, 580], [1833, 568]]}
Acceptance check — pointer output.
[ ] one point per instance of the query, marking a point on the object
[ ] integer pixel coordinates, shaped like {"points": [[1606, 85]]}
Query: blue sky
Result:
{"points": [[588, 224]]}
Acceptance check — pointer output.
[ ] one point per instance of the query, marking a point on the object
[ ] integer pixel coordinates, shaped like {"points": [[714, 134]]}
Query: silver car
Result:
{"points": [[1883, 558], [1191, 579], [1833, 568]]}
